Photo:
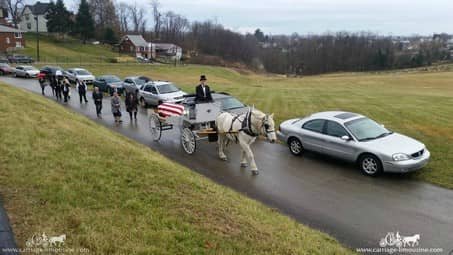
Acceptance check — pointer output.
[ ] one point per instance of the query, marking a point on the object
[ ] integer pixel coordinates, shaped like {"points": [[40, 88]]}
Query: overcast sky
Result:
{"points": [[396, 17]]}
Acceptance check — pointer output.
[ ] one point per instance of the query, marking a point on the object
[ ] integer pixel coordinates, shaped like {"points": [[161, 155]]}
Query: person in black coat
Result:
{"points": [[58, 87], [97, 98], [82, 89], [132, 104], [66, 88], [203, 92]]}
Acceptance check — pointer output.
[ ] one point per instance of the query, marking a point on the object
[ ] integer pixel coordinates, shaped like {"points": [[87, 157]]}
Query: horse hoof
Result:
{"points": [[223, 158], [255, 172], [244, 165]]}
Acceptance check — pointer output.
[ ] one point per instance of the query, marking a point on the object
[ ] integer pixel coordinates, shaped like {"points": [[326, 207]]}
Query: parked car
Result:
{"points": [[141, 59], [4, 60], [5, 69], [157, 92], [227, 102], [109, 84], [354, 137], [26, 71], [132, 83], [20, 59], [79, 74], [51, 71]]}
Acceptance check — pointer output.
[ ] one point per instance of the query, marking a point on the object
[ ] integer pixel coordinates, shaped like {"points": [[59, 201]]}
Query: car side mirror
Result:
{"points": [[346, 138]]}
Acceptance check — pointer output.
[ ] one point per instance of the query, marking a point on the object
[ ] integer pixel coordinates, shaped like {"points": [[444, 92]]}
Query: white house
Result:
{"points": [[33, 14]]}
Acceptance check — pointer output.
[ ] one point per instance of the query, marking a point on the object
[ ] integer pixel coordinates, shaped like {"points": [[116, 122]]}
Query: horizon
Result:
{"points": [[306, 17]]}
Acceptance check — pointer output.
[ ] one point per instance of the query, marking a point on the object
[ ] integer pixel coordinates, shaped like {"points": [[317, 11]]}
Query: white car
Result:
{"points": [[356, 138], [157, 92], [79, 74], [26, 71]]}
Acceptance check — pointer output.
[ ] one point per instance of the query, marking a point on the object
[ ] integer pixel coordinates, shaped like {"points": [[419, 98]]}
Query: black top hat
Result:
{"points": [[203, 77]]}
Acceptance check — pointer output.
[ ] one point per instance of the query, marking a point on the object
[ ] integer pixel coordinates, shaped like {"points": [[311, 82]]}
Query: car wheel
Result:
{"points": [[27, 76], [2, 73], [370, 165], [295, 146]]}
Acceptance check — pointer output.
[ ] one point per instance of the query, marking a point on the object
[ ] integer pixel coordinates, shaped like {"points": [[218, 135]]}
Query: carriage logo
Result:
{"points": [[43, 241], [399, 241]]}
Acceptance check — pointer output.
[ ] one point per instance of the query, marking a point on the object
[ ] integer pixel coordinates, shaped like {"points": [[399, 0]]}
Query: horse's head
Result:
{"points": [[269, 128]]}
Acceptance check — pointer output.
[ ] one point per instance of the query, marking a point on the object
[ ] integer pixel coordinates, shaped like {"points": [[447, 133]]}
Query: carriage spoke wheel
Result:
{"points": [[155, 127], [188, 141]]}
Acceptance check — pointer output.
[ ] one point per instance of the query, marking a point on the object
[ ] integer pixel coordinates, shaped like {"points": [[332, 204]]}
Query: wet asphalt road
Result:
{"points": [[323, 193]]}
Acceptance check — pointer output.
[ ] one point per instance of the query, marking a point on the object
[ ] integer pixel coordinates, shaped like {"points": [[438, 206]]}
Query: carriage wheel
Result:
{"points": [[155, 127], [188, 141]]}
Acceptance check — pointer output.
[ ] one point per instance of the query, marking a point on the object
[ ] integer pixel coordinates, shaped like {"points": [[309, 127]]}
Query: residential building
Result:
{"points": [[10, 39], [136, 45], [33, 14]]}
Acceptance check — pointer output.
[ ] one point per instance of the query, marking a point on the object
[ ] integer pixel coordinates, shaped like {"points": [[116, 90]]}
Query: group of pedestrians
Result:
{"points": [[131, 102]]}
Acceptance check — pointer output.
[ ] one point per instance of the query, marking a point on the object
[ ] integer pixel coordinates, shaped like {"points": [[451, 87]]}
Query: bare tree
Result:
{"points": [[137, 14], [157, 16], [15, 7], [123, 16]]}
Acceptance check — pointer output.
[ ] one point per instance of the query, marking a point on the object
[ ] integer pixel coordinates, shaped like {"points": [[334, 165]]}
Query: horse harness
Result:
{"points": [[246, 125]]}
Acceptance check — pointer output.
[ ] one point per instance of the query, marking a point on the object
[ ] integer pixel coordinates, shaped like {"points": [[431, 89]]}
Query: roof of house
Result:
{"points": [[137, 40], [38, 8], [165, 46], [6, 29]]}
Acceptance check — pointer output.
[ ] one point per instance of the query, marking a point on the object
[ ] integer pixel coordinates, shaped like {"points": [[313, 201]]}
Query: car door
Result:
{"points": [[19, 71], [335, 145], [146, 93], [312, 135]]}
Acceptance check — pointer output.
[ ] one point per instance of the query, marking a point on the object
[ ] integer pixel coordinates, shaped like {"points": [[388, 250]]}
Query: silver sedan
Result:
{"points": [[356, 138]]}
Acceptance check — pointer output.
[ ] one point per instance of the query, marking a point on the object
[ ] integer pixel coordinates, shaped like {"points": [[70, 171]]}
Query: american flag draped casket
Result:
{"points": [[169, 109]]}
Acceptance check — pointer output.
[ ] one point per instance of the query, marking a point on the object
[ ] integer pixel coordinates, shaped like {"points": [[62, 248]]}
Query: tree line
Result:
{"points": [[107, 21]]}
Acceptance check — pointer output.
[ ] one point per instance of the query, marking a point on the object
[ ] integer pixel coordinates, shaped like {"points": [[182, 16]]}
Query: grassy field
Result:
{"points": [[64, 174], [68, 50]]}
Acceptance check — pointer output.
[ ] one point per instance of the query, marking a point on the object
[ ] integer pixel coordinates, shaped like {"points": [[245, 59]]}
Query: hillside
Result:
{"points": [[62, 173], [68, 50]]}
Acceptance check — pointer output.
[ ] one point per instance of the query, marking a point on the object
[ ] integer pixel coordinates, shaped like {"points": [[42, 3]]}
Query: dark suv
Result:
{"points": [[20, 59]]}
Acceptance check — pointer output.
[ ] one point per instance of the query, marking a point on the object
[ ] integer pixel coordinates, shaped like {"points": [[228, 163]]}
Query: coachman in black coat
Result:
{"points": [[203, 92]]}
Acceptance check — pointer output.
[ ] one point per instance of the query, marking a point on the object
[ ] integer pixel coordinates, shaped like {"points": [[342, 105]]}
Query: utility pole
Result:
{"points": [[37, 39]]}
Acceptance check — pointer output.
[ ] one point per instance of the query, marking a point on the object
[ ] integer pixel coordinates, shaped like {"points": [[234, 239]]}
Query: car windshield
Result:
{"points": [[365, 129], [167, 88], [139, 82], [111, 79], [82, 72], [29, 68], [229, 103]]}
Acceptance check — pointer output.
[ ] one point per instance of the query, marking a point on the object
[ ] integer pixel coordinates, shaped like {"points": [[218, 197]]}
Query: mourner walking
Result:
{"points": [[132, 104], [66, 89], [202, 91], [42, 81], [82, 89], [57, 87], [97, 98], [116, 107]]}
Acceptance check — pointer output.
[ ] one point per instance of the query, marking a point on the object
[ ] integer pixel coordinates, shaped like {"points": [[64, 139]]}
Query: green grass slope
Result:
{"points": [[64, 174], [67, 50]]}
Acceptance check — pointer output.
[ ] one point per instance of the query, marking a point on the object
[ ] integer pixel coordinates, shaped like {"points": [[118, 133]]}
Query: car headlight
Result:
{"points": [[400, 157]]}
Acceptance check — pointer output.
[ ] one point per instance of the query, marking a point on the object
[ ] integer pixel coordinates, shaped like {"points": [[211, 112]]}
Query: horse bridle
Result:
{"points": [[266, 125]]}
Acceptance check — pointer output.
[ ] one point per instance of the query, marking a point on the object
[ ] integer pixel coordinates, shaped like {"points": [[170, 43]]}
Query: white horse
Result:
{"points": [[411, 240], [244, 129], [57, 240]]}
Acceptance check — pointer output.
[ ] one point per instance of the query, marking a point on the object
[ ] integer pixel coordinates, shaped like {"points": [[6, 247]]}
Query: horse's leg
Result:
{"points": [[243, 159], [221, 144], [249, 154]]}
